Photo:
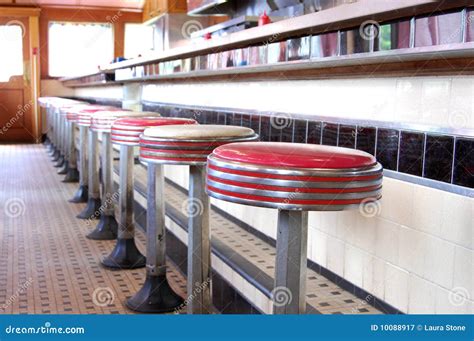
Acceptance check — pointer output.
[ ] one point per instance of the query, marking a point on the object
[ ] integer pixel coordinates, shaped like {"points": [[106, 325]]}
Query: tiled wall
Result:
{"points": [[417, 252]]}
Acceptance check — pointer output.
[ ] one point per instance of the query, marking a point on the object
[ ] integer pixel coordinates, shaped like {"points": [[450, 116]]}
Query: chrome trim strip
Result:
{"points": [[252, 137], [171, 162], [280, 205], [290, 183], [295, 195], [177, 156], [442, 186]]}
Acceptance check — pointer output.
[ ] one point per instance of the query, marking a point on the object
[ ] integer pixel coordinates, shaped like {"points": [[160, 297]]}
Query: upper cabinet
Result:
{"points": [[155, 8]]}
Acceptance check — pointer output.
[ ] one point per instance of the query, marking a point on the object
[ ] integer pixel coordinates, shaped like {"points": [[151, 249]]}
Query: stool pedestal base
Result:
{"points": [[92, 209], [81, 195], [106, 229], [72, 175], [63, 170], [156, 296], [59, 161], [55, 155], [125, 255]]}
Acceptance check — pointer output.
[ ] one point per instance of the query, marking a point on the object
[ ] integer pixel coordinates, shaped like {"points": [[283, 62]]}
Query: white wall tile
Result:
{"points": [[427, 210], [408, 99], [458, 219], [463, 280], [378, 278], [397, 201], [439, 261], [386, 240], [435, 100], [353, 265], [421, 296], [319, 247], [368, 272], [396, 287], [411, 250], [335, 257], [450, 302], [461, 104]]}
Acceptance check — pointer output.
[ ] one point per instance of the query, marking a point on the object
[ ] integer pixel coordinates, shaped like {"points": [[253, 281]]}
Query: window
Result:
{"points": [[138, 40], [79, 48], [11, 57]]}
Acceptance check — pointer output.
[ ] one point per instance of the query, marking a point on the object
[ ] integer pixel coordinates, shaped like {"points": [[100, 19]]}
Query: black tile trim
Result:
{"points": [[390, 153]]}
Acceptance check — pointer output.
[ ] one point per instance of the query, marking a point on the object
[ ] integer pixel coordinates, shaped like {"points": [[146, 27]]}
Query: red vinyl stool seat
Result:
{"points": [[125, 131], [294, 178], [178, 145]]}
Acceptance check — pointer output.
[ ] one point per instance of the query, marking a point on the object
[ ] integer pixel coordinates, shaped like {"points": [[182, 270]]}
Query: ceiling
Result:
{"points": [[122, 4]]}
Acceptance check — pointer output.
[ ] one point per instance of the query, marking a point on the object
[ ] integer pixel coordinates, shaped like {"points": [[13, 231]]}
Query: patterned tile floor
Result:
{"points": [[48, 266]]}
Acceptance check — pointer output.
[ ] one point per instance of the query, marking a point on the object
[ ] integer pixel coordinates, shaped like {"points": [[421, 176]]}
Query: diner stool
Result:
{"points": [[101, 123], [125, 132], [293, 178], [190, 146], [84, 120], [82, 193]]}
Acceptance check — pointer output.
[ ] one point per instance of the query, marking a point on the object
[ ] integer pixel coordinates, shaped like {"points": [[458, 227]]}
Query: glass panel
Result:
{"points": [[470, 25], [78, 49], [298, 48], [11, 47], [353, 42], [393, 36], [324, 45], [438, 30], [138, 40]]}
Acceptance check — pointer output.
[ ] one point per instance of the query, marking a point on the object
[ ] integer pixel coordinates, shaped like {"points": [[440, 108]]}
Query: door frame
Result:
{"points": [[32, 14]]}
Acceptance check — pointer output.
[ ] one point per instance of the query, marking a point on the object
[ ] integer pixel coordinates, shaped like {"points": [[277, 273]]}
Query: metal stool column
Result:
{"points": [[72, 174], [190, 146], [81, 195], [126, 132], [156, 296], [60, 138], [293, 178]]}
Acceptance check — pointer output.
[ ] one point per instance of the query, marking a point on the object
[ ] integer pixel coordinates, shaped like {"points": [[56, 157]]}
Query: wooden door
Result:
{"points": [[16, 103]]}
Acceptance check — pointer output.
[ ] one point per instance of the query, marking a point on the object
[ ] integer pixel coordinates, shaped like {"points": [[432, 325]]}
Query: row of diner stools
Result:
{"points": [[225, 162]]}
